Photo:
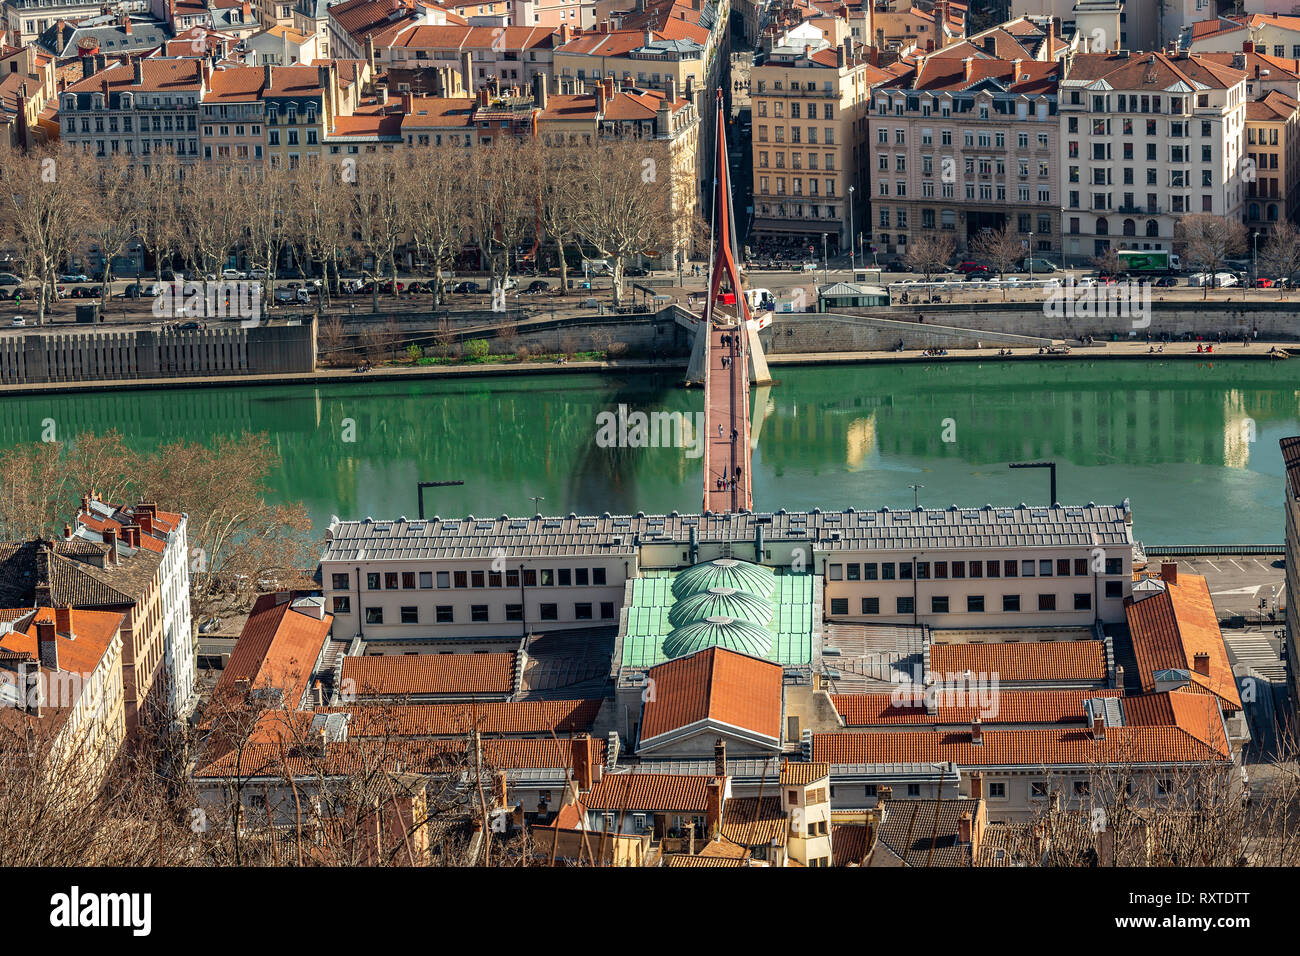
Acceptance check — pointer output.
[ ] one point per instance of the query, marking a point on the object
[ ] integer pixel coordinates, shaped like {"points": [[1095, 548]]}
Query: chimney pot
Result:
{"points": [[1201, 663], [976, 731], [583, 758], [977, 785], [1098, 727], [1169, 572], [63, 620], [110, 539], [47, 646], [964, 826]]}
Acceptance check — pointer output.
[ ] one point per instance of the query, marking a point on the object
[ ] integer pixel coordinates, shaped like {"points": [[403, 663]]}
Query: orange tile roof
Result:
{"points": [[718, 685], [523, 717], [157, 75], [1023, 660], [753, 821], [1170, 629], [401, 674], [638, 792], [79, 652], [1024, 748], [796, 773], [277, 649], [1012, 707]]}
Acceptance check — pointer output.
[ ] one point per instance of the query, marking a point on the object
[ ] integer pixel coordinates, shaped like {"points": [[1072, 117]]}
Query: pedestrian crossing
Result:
{"points": [[1255, 652]]}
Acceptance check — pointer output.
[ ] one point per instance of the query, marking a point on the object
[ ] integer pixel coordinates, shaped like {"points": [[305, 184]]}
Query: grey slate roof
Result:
{"points": [[146, 34], [849, 530]]}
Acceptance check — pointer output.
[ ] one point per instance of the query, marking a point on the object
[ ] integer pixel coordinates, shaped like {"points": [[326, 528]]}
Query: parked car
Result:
{"points": [[18, 322], [966, 268], [137, 290], [233, 274], [466, 288], [1226, 280], [86, 292], [896, 266], [8, 278], [635, 272], [1264, 283], [809, 267], [188, 327], [1038, 265], [256, 274], [300, 296], [537, 285], [979, 276], [1165, 282], [74, 277]]}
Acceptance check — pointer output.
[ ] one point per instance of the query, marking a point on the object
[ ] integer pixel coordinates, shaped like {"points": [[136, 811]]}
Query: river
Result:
{"points": [[1193, 445]]}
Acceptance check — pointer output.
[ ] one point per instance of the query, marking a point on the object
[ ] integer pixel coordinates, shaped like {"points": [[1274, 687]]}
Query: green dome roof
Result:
{"points": [[720, 631], [720, 602], [724, 573]]}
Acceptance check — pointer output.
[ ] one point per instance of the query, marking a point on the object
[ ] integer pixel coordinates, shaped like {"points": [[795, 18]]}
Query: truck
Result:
{"points": [[1148, 262]]}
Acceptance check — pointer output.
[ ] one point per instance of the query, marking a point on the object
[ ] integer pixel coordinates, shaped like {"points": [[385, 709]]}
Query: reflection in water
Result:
{"points": [[1193, 445]]}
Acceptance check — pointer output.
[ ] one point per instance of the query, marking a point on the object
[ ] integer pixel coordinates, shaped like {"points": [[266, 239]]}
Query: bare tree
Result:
{"points": [[1001, 248], [502, 204], [113, 213], [42, 204], [320, 209], [437, 209], [1280, 255], [158, 219], [929, 254], [1207, 241], [381, 217]]}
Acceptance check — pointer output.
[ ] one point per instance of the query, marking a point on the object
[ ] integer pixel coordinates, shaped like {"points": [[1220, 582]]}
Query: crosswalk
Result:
{"points": [[1255, 652]]}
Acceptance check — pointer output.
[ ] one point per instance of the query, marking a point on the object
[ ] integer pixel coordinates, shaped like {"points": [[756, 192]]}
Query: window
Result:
{"points": [[548, 577], [975, 603], [582, 612], [903, 605], [994, 569], [606, 610], [374, 615], [476, 579], [871, 605], [940, 570], [913, 789], [565, 577], [1080, 565], [977, 569], [923, 570], [443, 614], [530, 577], [461, 578], [390, 580], [1009, 569], [550, 612], [342, 581], [372, 581], [1045, 568], [408, 579], [1010, 603], [1083, 602], [839, 605], [598, 576], [904, 572], [444, 579], [426, 579], [1082, 788], [1026, 569], [1114, 565], [512, 579], [410, 615], [1114, 589], [1047, 602], [998, 791], [494, 579], [1038, 789], [835, 572], [514, 612], [854, 572], [581, 577], [478, 613], [343, 605], [886, 571], [939, 604]]}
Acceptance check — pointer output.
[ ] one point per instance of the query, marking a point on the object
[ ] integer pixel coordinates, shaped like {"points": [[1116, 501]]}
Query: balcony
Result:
{"points": [[1139, 210]]}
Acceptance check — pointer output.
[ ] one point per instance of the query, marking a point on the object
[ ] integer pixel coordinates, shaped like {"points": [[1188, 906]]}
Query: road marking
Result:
{"points": [[1238, 566], [1246, 590], [1211, 564]]}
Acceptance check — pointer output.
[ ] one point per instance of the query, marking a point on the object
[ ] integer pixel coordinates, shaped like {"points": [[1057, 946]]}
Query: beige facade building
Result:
{"points": [[965, 145], [810, 94], [1147, 139]]}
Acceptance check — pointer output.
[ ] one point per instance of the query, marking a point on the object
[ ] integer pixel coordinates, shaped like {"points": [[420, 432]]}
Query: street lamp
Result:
{"points": [[826, 266], [916, 495], [853, 259]]}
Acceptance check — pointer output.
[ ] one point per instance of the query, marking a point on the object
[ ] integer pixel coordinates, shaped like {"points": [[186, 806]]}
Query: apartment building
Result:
{"points": [[61, 675], [498, 56], [112, 34], [25, 20], [1148, 138], [1132, 25], [1273, 153], [302, 104], [139, 108], [27, 87], [964, 145], [1272, 34], [902, 26], [810, 96], [352, 25], [233, 116], [282, 46]]}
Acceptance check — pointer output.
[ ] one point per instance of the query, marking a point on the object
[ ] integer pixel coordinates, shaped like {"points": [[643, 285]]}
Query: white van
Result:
{"points": [[596, 267]]}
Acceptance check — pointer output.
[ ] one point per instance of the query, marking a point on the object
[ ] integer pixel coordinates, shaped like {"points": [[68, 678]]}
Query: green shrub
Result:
{"points": [[476, 350]]}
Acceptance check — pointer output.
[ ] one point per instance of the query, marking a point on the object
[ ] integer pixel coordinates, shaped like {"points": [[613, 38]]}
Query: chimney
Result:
{"points": [[1051, 37], [883, 796], [87, 71], [137, 71], [30, 676], [1098, 727], [969, 64], [965, 824], [672, 88], [713, 808], [649, 36], [1169, 572], [839, 57], [977, 786], [1119, 677], [565, 36], [47, 645], [63, 621], [582, 761], [126, 24], [720, 757], [1247, 46], [1015, 70], [67, 531], [247, 10], [600, 99], [1201, 664], [503, 789], [131, 535], [976, 731], [110, 539], [370, 55], [690, 838], [408, 103], [539, 91], [266, 76]]}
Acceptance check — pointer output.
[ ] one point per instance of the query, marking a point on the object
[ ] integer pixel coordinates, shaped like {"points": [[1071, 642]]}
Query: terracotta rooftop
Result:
{"points": [[1043, 661], [643, 792], [277, 649], [397, 675], [715, 685], [1011, 707], [796, 773], [1172, 629]]}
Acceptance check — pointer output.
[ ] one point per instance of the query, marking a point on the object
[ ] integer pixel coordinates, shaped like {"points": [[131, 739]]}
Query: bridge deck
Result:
{"points": [[726, 424]]}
